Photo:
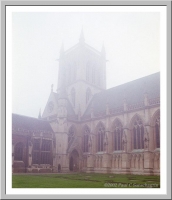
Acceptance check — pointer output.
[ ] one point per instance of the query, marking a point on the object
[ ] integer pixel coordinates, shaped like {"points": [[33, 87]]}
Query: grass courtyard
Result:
{"points": [[84, 180]]}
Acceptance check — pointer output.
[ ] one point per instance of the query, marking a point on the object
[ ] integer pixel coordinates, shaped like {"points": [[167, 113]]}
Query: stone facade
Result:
{"points": [[32, 145], [94, 129]]}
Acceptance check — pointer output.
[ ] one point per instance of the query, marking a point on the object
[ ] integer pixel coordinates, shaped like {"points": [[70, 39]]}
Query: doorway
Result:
{"points": [[59, 168], [74, 161]]}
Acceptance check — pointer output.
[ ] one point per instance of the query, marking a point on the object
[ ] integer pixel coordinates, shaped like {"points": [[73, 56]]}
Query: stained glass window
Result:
{"points": [[85, 139], [100, 137], [117, 136], [138, 134]]}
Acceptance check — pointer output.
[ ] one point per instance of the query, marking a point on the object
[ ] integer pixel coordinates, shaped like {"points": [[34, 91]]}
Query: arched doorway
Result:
{"points": [[59, 168], [74, 161], [71, 164]]}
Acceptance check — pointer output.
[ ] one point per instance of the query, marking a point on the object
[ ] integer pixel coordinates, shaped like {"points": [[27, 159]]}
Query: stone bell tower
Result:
{"points": [[85, 73]]}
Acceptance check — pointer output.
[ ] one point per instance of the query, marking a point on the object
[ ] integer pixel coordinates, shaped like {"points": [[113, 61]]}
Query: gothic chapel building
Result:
{"points": [[88, 128]]}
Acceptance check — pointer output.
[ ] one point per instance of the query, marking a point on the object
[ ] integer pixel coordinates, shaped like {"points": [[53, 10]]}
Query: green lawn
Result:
{"points": [[83, 180]]}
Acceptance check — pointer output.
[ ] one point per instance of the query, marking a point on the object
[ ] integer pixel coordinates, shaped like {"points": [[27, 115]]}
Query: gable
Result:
{"points": [[51, 106], [54, 98]]}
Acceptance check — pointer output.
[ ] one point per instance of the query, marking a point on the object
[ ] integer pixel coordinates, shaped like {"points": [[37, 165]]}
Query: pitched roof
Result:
{"points": [[132, 91], [30, 123]]}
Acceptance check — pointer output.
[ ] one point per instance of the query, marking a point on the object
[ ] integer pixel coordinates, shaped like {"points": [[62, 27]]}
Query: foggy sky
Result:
{"points": [[131, 42]]}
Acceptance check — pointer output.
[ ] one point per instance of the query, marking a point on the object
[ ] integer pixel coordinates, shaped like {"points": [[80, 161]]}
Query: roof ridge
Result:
{"points": [[115, 95], [127, 82], [28, 116]]}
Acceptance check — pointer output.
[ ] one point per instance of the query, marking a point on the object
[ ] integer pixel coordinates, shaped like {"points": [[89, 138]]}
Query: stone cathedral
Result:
{"points": [[88, 128]]}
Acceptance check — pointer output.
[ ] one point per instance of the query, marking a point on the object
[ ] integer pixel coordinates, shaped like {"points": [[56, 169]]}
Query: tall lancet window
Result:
{"points": [[73, 96], [71, 136], [117, 136], [88, 95], [138, 134], [36, 151], [100, 137], [85, 139], [157, 131], [18, 152], [46, 152]]}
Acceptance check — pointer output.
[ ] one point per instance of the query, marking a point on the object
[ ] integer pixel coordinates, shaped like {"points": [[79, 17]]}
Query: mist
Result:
{"points": [[131, 40]]}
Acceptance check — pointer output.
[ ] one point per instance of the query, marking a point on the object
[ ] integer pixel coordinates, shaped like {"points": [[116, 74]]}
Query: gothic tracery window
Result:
{"points": [[85, 139], [42, 151], [157, 131], [36, 152], [46, 152], [100, 137], [138, 134], [117, 136], [18, 152], [71, 136]]}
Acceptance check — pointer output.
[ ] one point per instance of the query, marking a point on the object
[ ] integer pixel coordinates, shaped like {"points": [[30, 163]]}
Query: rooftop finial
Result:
{"points": [[82, 39]]}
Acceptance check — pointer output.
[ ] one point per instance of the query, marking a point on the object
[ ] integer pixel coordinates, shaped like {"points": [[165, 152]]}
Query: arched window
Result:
{"points": [[73, 96], [138, 134], [88, 95], [18, 152], [71, 136], [100, 137], [46, 152], [157, 131], [36, 151], [85, 139], [42, 154], [117, 136]]}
